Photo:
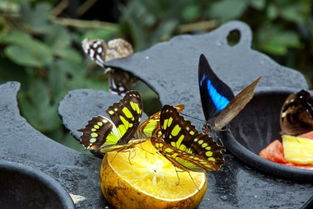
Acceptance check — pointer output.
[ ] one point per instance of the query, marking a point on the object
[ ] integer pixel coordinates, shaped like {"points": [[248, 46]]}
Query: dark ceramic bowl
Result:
{"points": [[256, 127], [27, 188]]}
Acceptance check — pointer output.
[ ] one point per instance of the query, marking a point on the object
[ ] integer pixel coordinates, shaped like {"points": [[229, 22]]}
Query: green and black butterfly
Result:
{"points": [[102, 134], [184, 146], [123, 130]]}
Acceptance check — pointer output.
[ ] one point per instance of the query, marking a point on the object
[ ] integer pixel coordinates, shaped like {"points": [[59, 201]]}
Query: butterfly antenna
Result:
{"points": [[193, 117], [114, 156]]}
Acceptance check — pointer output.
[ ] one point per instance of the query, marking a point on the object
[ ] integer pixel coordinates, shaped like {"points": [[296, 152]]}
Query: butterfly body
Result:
{"points": [[219, 104], [184, 146], [296, 115]]}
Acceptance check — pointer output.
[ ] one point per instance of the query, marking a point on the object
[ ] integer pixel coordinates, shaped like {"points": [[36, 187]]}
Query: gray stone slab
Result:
{"points": [[20, 142], [79, 106]]}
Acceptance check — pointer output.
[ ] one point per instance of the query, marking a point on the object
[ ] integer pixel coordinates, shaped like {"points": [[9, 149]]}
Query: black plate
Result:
{"points": [[255, 127], [27, 188]]}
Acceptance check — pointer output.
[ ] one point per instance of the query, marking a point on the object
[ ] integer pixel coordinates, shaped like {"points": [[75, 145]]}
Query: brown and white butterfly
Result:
{"points": [[296, 115], [100, 52]]}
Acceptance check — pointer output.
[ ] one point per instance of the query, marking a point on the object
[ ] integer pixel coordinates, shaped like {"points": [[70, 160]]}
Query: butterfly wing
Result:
{"points": [[96, 50], [151, 126], [219, 104], [215, 94], [120, 81], [102, 134], [296, 115], [184, 146], [126, 115], [100, 52], [234, 107], [97, 133]]}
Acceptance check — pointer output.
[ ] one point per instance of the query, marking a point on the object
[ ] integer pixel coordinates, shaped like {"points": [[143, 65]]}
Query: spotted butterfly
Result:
{"points": [[219, 104], [123, 130], [296, 115], [184, 146], [100, 52]]}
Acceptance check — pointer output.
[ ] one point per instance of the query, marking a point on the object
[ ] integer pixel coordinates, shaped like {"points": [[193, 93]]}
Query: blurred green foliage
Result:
{"points": [[46, 57], [281, 28], [43, 52]]}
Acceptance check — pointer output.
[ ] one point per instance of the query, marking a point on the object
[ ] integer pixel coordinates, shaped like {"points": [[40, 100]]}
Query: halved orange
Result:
{"points": [[143, 178]]}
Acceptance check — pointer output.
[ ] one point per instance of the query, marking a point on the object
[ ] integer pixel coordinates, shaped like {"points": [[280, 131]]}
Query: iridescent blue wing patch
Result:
{"points": [[215, 94], [218, 102]]}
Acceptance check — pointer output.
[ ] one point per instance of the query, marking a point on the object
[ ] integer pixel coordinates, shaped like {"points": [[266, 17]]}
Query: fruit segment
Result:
{"points": [[298, 150], [142, 178]]}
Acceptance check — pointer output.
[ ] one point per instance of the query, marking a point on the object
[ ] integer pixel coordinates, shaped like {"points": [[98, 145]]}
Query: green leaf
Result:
{"points": [[191, 12], [25, 50], [258, 4], [274, 40], [37, 18], [69, 54], [23, 56], [272, 11], [228, 9], [58, 79], [295, 13], [16, 37], [58, 37], [37, 107], [105, 34], [164, 31]]}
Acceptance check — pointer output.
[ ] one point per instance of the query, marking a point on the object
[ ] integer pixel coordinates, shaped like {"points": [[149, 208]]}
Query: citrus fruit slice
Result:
{"points": [[143, 178], [298, 150]]}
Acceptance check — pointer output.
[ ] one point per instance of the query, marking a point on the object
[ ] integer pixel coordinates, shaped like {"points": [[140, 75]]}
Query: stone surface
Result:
{"points": [[87, 103], [21, 143], [170, 68]]}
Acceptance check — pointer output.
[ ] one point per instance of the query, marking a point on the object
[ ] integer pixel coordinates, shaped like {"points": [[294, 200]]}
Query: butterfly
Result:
{"points": [[103, 134], [219, 104], [184, 146], [296, 115], [100, 52], [123, 129]]}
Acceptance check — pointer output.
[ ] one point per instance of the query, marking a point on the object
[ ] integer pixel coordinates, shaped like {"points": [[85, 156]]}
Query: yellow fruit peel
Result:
{"points": [[298, 150], [142, 178]]}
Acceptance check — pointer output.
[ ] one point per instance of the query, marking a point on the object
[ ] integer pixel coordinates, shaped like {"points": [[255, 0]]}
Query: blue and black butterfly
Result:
{"points": [[219, 104]]}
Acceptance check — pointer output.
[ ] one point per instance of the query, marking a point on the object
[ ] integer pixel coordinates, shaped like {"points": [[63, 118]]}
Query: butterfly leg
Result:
{"points": [[140, 147], [129, 155], [193, 181], [178, 178], [116, 152]]}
